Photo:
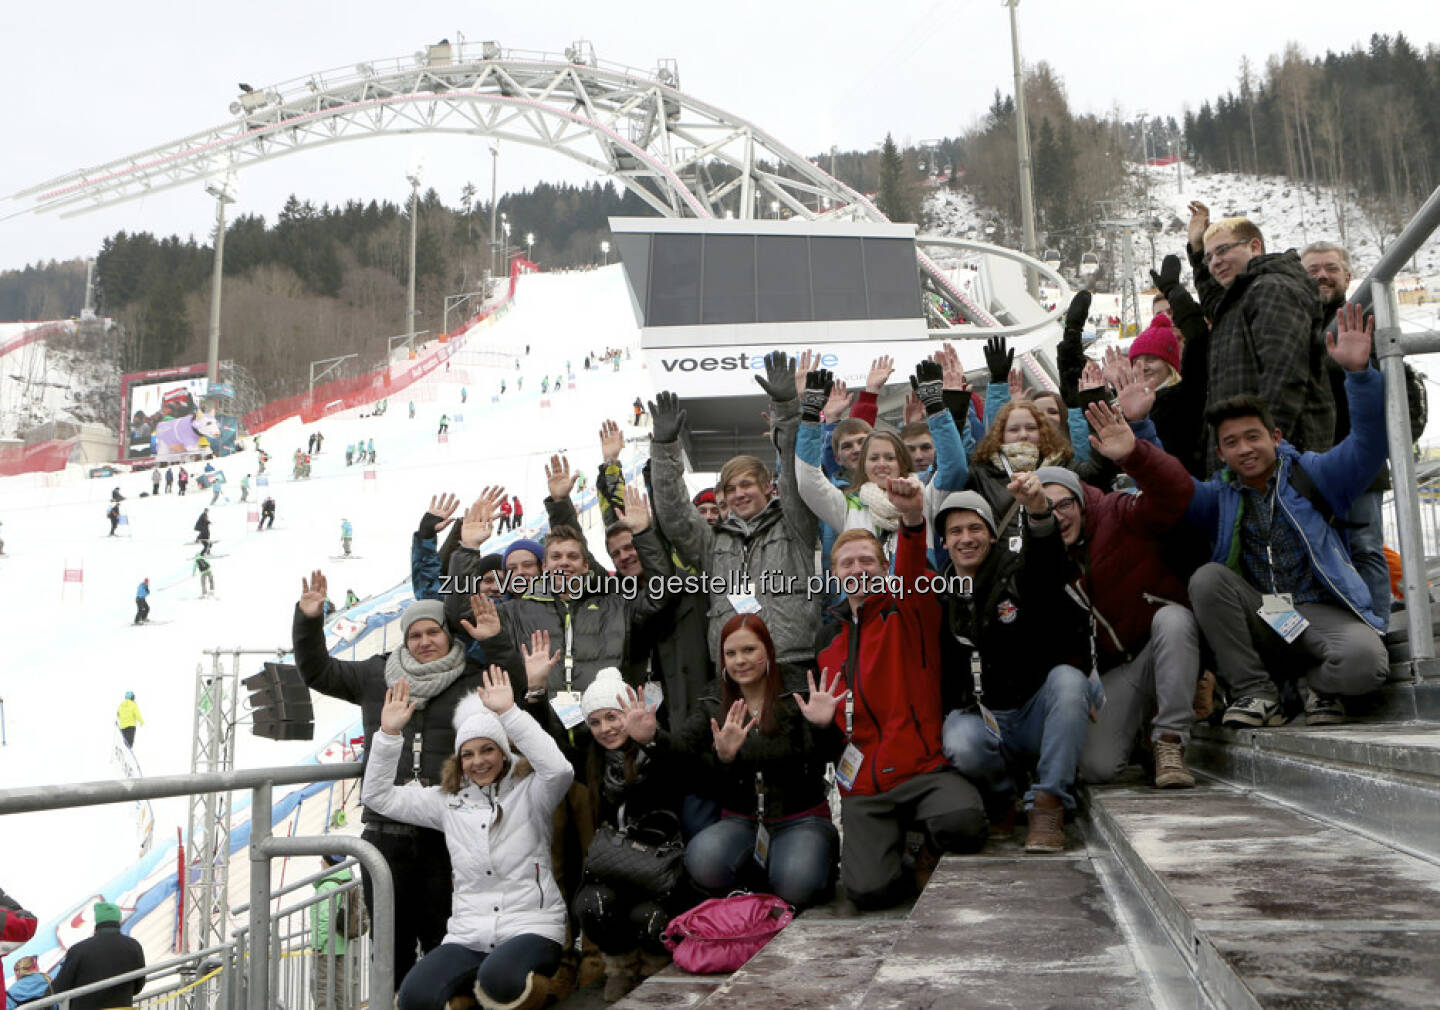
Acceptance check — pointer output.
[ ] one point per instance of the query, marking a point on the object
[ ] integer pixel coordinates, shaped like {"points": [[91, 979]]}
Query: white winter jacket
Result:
{"points": [[504, 884]]}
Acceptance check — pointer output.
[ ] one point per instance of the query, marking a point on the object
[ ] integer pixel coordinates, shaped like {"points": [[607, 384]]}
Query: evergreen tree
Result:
{"points": [[896, 198]]}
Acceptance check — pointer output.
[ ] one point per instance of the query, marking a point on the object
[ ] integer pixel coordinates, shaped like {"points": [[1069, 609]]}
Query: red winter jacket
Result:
{"points": [[890, 659], [16, 926], [1128, 578]]}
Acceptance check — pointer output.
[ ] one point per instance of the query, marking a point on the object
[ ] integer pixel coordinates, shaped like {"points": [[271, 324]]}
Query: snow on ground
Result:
{"points": [[71, 660]]}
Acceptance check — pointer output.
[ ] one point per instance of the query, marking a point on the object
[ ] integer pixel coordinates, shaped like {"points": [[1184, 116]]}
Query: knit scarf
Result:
{"points": [[1023, 457], [426, 679], [883, 513]]}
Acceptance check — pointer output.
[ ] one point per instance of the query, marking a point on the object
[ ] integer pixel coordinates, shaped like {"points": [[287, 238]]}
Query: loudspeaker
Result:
{"points": [[280, 703]]}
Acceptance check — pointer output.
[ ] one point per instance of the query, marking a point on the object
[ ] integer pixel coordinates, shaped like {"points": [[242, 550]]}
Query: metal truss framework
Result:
{"points": [[683, 157]]}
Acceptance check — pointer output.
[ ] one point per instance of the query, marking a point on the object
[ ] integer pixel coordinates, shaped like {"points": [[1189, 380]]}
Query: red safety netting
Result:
{"points": [[362, 390], [42, 457]]}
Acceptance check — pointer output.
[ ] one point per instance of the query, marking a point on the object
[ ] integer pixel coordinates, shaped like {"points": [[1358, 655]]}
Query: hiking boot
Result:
{"points": [[622, 973], [1253, 711], [1322, 709], [1002, 825], [1047, 825], [1170, 770]]}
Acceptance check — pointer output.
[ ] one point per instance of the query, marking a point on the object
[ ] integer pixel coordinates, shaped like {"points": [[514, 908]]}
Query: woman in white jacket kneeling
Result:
{"points": [[508, 917]]}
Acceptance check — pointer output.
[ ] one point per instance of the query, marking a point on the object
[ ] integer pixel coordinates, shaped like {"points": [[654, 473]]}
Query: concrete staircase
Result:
{"points": [[1303, 872]]}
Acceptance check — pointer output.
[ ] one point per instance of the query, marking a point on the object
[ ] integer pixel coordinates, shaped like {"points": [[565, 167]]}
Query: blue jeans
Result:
{"points": [[1051, 725], [801, 865], [1367, 552], [451, 968]]}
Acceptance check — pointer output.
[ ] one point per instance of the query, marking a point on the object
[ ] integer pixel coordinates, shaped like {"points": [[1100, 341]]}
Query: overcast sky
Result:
{"points": [[90, 81]]}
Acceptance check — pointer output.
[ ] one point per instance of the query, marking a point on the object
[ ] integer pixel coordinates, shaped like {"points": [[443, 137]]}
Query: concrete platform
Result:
{"points": [[1276, 909]]}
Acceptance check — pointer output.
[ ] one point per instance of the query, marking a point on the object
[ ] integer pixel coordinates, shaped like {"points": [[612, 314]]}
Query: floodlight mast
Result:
{"points": [[223, 190], [1022, 146]]}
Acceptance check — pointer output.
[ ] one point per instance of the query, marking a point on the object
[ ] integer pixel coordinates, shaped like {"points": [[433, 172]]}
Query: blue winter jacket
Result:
{"points": [[1341, 474], [27, 989], [142, 591]]}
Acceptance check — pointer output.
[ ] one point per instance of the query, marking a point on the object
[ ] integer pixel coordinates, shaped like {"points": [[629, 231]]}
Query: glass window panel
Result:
{"points": [[783, 276], [675, 281], [837, 279], [892, 278], [728, 294]]}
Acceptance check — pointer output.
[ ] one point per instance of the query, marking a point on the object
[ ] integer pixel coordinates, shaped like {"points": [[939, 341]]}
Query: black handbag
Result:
{"points": [[646, 856]]}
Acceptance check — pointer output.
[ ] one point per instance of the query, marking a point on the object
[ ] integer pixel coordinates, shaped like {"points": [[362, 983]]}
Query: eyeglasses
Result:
{"points": [[1219, 250], [1066, 505]]}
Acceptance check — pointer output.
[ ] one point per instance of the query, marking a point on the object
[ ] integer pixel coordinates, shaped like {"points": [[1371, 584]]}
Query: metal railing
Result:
{"points": [[247, 974]]}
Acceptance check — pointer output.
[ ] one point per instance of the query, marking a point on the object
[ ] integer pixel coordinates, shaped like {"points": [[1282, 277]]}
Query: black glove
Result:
{"points": [[779, 381], [1169, 275], [929, 385], [667, 417], [428, 522], [998, 359], [817, 390], [1078, 312]]}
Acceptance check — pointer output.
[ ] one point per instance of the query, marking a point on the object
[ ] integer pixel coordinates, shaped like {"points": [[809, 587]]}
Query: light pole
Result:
{"points": [[774, 208], [605, 248], [416, 170], [1022, 144], [530, 245], [223, 190], [494, 200]]}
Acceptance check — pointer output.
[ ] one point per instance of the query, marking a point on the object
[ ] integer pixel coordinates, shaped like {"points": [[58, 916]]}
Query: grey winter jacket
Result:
{"points": [[780, 541], [1265, 341]]}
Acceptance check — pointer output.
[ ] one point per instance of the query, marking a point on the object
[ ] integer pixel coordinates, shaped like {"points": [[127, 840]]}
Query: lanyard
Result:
{"points": [[975, 666], [417, 746], [569, 649], [1269, 534], [849, 714], [759, 797]]}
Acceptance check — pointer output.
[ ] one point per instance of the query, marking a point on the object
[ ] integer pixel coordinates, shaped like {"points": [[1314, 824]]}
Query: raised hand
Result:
{"points": [[1113, 438], [780, 376], [1199, 221], [879, 373], [487, 619], [1017, 385], [1169, 276], [929, 386], [1114, 366], [839, 401], [914, 409], [907, 494], [1078, 314], [1026, 488], [558, 477], [815, 393], [808, 361], [819, 708], [539, 660], [952, 373], [612, 440], [478, 523], [1090, 377], [1354, 335], [1135, 396], [312, 594], [495, 690], [730, 737], [396, 712], [667, 417], [999, 359], [439, 515], [639, 716]]}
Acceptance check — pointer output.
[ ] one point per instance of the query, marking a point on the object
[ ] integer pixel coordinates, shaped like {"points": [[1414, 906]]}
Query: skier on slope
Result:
{"points": [[113, 514], [267, 514], [444, 424], [202, 531], [245, 488], [142, 602], [128, 716], [350, 598], [370, 449], [202, 564], [346, 532]]}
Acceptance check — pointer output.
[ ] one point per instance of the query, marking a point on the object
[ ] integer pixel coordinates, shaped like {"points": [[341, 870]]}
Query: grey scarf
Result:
{"points": [[426, 679]]}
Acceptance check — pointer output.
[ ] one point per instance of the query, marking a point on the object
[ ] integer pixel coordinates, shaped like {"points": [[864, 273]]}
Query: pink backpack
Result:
{"points": [[721, 934]]}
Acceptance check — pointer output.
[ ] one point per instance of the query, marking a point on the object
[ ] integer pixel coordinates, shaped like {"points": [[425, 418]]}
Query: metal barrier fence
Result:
{"points": [[231, 975]]}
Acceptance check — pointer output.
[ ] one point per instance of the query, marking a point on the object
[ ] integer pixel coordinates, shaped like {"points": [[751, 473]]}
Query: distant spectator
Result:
{"points": [[127, 717], [16, 926], [106, 954], [335, 982], [30, 985]]}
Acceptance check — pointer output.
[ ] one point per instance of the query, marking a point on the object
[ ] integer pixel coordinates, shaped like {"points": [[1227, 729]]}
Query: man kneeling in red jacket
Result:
{"points": [[893, 773]]}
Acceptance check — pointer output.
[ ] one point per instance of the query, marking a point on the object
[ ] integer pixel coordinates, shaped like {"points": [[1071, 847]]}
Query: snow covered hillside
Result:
{"points": [[71, 660]]}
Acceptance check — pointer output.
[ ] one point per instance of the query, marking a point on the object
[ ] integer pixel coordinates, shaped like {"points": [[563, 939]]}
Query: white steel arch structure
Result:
{"points": [[682, 156]]}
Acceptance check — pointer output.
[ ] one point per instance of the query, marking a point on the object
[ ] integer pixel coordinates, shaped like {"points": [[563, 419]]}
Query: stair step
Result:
{"points": [[1007, 932], [1380, 780], [813, 964], [1276, 909]]}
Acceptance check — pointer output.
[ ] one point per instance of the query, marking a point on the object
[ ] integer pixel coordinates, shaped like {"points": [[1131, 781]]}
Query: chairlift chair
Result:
{"points": [[1089, 263], [1051, 258]]}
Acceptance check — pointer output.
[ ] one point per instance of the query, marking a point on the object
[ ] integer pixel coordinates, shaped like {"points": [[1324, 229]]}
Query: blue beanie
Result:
{"points": [[525, 545]]}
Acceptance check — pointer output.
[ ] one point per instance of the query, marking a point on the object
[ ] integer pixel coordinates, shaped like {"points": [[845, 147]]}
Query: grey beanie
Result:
{"points": [[968, 501], [1068, 479], [421, 610]]}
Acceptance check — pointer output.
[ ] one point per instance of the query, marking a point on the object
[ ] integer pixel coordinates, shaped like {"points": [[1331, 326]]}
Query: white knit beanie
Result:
{"points": [[603, 691], [474, 721]]}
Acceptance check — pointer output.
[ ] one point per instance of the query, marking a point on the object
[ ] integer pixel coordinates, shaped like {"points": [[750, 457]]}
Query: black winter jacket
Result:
{"points": [[109, 952]]}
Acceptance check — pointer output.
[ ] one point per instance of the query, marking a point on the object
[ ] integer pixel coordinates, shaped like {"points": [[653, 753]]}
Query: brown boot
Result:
{"points": [[1047, 825], [1170, 770], [653, 964], [621, 974]]}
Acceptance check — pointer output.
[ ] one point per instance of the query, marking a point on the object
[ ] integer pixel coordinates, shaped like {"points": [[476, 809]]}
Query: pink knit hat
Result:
{"points": [[1158, 341]]}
